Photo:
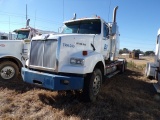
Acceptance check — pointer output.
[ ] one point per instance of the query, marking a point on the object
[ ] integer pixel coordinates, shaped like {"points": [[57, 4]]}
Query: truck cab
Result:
{"points": [[76, 59], [100, 32]]}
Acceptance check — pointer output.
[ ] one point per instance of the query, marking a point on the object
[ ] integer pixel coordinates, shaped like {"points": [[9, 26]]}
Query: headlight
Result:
{"points": [[77, 61]]}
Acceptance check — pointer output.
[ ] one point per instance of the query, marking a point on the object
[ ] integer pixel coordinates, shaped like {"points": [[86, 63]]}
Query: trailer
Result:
{"points": [[77, 59]]}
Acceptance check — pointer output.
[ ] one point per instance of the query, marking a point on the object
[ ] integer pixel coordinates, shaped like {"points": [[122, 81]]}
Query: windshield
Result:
{"points": [[4, 37], [22, 35], [83, 27]]}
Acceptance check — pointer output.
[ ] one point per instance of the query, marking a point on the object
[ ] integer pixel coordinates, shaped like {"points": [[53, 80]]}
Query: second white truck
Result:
{"points": [[77, 59], [14, 53], [152, 70]]}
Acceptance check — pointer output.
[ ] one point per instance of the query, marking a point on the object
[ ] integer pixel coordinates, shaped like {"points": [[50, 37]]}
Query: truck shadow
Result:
{"points": [[125, 96], [18, 85]]}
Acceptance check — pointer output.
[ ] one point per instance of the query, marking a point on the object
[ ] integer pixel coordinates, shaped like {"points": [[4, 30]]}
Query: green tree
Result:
{"points": [[138, 51], [147, 53], [125, 50], [120, 51]]}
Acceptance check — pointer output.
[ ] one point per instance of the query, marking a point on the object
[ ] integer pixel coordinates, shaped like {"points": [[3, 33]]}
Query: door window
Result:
{"points": [[105, 30]]}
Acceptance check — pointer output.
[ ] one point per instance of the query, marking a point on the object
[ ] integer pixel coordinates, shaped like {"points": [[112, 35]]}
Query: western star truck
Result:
{"points": [[152, 70], [77, 59]]}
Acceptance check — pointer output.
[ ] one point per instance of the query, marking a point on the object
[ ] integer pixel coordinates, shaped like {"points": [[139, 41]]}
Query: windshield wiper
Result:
{"points": [[93, 47]]}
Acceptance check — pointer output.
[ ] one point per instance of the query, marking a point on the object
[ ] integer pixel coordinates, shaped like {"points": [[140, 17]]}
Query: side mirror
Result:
{"points": [[113, 29]]}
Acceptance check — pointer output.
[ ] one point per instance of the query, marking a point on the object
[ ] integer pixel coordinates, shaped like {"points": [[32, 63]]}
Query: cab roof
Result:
{"points": [[22, 29], [81, 19]]}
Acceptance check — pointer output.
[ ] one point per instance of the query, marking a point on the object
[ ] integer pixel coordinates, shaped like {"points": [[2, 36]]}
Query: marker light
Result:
{"points": [[84, 53]]}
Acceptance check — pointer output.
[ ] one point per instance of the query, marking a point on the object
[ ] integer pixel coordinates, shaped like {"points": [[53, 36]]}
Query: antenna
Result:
{"points": [[35, 19], [26, 12], [9, 23], [109, 9], [63, 10], [9, 29]]}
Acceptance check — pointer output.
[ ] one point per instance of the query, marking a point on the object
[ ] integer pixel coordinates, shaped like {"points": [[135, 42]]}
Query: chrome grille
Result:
{"points": [[43, 54]]}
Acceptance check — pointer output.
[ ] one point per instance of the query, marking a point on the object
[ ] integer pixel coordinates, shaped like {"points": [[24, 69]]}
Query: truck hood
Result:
{"points": [[57, 36]]}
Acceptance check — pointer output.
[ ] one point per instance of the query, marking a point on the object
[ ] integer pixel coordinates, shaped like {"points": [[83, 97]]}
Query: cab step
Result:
{"points": [[112, 74]]}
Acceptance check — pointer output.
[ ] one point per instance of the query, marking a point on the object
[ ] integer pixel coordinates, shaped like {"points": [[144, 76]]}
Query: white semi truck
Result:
{"points": [[152, 70], [14, 53], [78, 58]]}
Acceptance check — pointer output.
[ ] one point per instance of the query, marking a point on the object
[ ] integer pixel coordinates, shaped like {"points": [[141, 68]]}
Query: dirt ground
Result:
{"points": [[127, 96]]}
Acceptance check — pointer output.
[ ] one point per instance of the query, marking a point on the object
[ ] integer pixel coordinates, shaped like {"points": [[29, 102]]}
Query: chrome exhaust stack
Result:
{"points": [[27, 23], [114, 14]]}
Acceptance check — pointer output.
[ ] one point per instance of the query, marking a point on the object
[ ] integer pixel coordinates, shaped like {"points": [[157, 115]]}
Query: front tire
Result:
{"points": [[8, 71], [92, 86]]}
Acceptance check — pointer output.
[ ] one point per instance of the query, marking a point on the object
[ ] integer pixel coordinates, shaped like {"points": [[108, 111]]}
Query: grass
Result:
{"points": [[127, 96], [133, 65]]}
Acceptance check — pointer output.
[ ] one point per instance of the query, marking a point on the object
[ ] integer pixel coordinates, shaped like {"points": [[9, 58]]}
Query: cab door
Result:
{"points": [[105, 42]]}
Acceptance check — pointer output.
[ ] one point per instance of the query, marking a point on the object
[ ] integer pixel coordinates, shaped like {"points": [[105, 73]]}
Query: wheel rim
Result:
{"points": [[96, 84], [7, 72]]}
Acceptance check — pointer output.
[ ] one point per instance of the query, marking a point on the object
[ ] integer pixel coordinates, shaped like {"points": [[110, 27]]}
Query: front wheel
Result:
{"points": [[92, 85], [8, 71]]}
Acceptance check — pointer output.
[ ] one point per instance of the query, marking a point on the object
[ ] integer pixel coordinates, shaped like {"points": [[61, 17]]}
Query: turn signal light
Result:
{"points": [[84, 53]]}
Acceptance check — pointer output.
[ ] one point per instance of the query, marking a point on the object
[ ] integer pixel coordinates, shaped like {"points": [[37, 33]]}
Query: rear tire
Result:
{"points": [[92, 86], [122, 67], [8, 71]]}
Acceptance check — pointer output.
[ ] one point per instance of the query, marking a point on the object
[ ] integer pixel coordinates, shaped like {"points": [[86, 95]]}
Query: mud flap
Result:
{"points": [[157, 85]]}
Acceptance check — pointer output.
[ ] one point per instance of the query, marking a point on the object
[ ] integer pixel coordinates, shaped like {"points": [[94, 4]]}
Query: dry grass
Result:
{"points": [[139, 64], [142, 60], [132, 65], [125, 96]]}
